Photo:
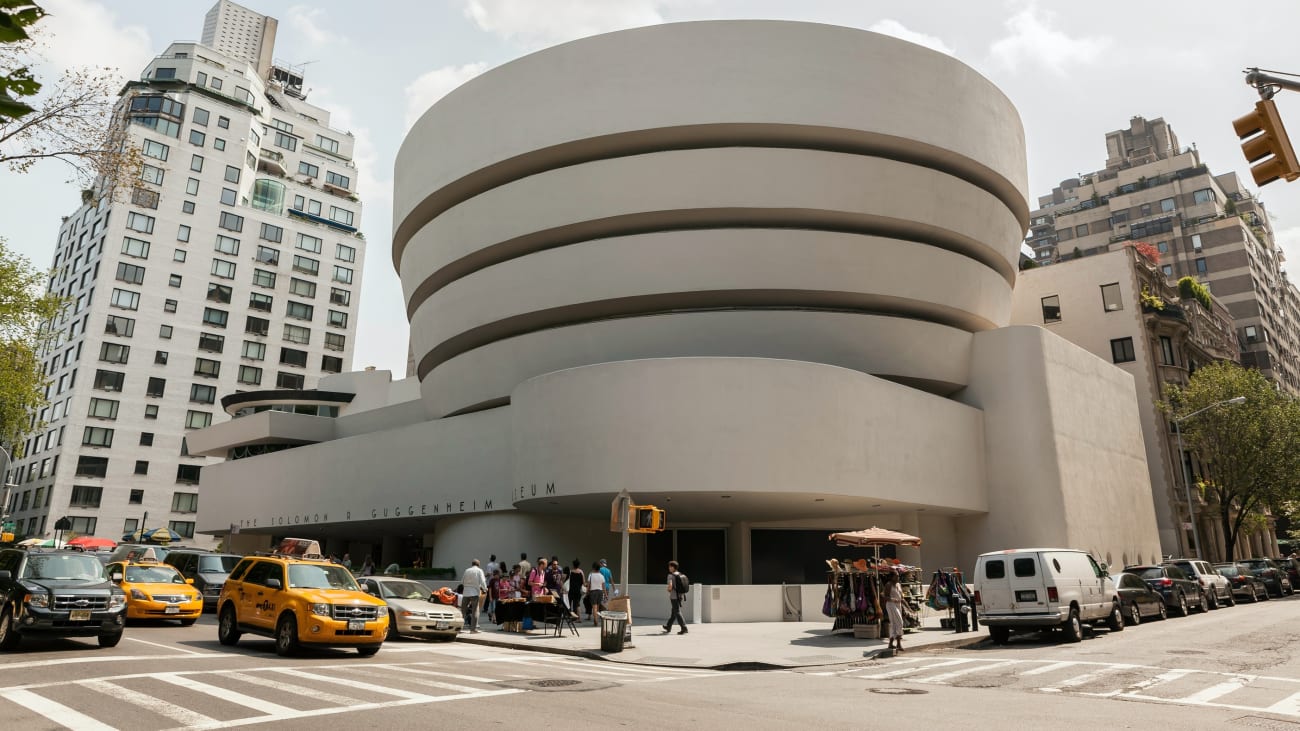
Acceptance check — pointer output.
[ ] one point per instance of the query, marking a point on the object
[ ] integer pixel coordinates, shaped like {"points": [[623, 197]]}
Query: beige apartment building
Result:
{"points": [[1204, 225]]}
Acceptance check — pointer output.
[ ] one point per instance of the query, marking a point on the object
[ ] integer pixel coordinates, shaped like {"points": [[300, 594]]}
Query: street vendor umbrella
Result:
{"points": [[92, 542], [874, 536], [154, 535], [41, 543]]}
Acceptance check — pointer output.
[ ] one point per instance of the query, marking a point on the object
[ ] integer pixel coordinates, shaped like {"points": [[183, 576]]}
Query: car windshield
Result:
{"points": [[153, 575], [1152, 573], [1258, 563], [1227, 570], [313, 576], [217, 564], [66, 567], [1186, 566], [403, 590]]}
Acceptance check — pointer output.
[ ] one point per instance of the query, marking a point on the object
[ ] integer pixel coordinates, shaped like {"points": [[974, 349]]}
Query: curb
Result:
{"points": [[732, 666]]}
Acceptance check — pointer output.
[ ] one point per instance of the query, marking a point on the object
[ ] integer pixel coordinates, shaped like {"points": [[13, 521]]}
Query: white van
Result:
{"points": [[1042, 588]]}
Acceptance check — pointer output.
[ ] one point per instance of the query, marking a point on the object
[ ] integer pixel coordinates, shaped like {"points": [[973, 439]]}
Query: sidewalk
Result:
{"points": [[740, 646]]}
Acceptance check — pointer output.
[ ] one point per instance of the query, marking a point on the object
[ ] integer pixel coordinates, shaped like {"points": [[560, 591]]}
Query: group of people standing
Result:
{"points": [[570, 586]]}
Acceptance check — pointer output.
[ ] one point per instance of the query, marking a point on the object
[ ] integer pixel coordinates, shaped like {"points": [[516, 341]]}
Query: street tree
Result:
{"points": [[1249, 454], [26, 312], [71, 119]]}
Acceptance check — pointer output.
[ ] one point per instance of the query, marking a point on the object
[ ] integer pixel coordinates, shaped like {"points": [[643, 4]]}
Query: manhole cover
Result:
{"points": [[553, 683], [897, 691], [557, 685]]}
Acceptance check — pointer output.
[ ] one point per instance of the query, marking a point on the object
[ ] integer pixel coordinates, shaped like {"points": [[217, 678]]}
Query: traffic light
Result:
{"points": [[1265, 136], [647, 519]]}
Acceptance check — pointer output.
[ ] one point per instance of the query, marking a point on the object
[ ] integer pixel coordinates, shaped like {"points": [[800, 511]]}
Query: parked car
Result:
{"points": [[1292, 566], [1211, 581], [1138, 599], [1245, 584], [1044, 588], [57, 593], [208, 570], [1269, 572], [1179, 592], [412, 612]]}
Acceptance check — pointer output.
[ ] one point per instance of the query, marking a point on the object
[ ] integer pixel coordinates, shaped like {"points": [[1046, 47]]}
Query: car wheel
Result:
{"points": [[1205, 603], [1115, 622], [227, 627], [110, 640], [1183, 611], [286, 636], [1073, 628], [1231, 600], [1164, 610], [1213, 598], [1134, 614], [392, 632], [367, 650], [9, 637], [1000, 635], [1267, 594]]}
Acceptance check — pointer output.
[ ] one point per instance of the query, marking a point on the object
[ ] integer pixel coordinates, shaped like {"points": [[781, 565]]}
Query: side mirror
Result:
{"points": [[189, 581], [116, 577], [273, 584]]}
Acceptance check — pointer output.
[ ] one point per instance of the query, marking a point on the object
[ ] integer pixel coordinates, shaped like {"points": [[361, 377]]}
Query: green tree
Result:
{"points": [[25, 310], [1250, 453], [16, 82]]}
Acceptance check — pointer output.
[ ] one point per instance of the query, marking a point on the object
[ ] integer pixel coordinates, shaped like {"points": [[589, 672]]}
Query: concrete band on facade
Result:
{"points": [[586, 97]]}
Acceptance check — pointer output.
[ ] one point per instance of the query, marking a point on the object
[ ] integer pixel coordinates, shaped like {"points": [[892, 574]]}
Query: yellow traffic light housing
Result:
{"points": [[1265, 137], [646, 519]]}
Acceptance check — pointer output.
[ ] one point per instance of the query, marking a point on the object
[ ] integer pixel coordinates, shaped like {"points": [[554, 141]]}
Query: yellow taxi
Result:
{"points": [[155, 590], [300, 599]]}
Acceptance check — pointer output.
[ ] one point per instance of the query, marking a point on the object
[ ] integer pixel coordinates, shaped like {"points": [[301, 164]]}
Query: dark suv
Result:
{"points": [[1271, 573], [209, 571], [58, 593], [1179, 592]]}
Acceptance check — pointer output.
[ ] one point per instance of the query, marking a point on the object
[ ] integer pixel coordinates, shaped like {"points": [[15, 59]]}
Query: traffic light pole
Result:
{"points": [[1268, 85]]}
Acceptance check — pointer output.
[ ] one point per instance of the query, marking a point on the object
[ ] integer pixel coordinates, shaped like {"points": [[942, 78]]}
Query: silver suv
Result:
{"points": [[1214, 584]]}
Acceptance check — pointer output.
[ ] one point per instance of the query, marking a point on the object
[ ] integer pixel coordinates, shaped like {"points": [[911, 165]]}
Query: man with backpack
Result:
{"points": [[678, 586]]}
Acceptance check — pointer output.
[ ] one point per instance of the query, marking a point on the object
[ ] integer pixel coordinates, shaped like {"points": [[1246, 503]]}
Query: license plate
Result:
{"points": [[441, 625], [79, 615], [1027, 596], [356, 624], [172, 609]]}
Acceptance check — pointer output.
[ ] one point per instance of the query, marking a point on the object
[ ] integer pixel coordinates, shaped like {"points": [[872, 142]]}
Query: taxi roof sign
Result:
{"points": [[299, 547]]}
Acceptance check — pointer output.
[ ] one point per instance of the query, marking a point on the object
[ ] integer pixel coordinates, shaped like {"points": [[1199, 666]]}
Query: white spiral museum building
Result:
{"points": [[756, 273]]}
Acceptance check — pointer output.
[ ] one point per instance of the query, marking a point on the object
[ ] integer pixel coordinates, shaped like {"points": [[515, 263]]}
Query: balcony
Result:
{"points": [[272, 162]]}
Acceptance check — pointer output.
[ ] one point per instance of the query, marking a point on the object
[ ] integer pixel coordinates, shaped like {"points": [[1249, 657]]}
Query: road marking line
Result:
{"points": [[1214, 691], [1050, 668], [172, 647], [1289, 705], [419, 681], [1085, 678], [113, 658], [230, 696], [351, 709], [364, 686], [905, 671], [148, 702], [1134, 689], [943, 678], [473, 678], [341, 700], [56, 712], [649, 669]]}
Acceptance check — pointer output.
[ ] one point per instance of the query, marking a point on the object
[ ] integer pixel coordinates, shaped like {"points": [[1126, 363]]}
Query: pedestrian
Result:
{"points": [[596, 591], [492, 565], [367, 566], [475, 586], [347, 561], [495, 593], [609, 579], [555, 579], [576, 580], [675, 599], [524, 565], [894, 607], [537, 579]]}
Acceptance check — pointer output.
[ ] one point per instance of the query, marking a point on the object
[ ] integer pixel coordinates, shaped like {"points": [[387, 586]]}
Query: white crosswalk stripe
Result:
{"points": [[230, 696], [149, 703], [56, 712]]}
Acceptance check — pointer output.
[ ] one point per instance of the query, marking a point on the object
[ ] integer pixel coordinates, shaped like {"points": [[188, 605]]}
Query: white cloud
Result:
{"points": [[307, 21], [434, 85], [1032, 42], [79, 33], [898, 30], [532, 24]]}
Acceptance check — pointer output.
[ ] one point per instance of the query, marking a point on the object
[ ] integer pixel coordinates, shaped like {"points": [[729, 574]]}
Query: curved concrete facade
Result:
{"points": [[759, 273]]}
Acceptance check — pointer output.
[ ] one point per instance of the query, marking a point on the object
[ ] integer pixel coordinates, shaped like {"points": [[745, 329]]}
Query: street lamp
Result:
{"points": [[1182, 464]]}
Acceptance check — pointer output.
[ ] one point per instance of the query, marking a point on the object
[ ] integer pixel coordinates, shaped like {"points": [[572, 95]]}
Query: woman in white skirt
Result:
{"points": [[894, 607]]}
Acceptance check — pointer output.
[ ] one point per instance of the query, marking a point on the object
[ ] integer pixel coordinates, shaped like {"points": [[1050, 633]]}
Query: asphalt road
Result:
{"points": [[1232, 668]]}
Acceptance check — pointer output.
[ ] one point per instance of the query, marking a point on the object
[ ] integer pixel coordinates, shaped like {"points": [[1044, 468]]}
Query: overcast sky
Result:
{"points": [[1074, 71]]}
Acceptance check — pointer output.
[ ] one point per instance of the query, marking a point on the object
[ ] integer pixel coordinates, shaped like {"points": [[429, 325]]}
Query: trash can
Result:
{"points": [[612, 626]]}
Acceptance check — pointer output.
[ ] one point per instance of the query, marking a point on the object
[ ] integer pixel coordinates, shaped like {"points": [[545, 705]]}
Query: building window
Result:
{"points": [[201, 394], [334, 341], [183, 528], [229, 197], [92, 466], [156, 150], [130, 273], [169, 305], [135, 247], [86, 496], [102, 408], [211, 343], [146, 439], [1252, 335], [1081, 230], [227, 245], [250, 375], [292, 381], [207, 368], [306, 168], [114, 352], [306, 265], [1168, 270], [151, 174], [263, 278], [337, 180], [1167, 205], [290, 356], [219, 293], [187, 207], [296, 334], [197, 419], [109, 380], [299, 310], [340, 319], [97, 436], [302, 288], [151, 411], [1167, 355], [215, 317], [174, 280], [156, 388], [1110, 297], [196, 163], [188, 473], [139, 222], [1204, 195], [123, 327], [309, 243], [253, 350], [257, 325], [165, 332], [1121, 350], [1052, 308], [179, 255], [1200, 266], [231, 222], [1196, 242], [192, 186], [283, 140], [232, 174], [331, 364], [343, 274], [142, 467], [274, 234], [185, 502], [340, 296], [267, 255], [259, 301], [200, 116], [160, 357], [345, 253]]}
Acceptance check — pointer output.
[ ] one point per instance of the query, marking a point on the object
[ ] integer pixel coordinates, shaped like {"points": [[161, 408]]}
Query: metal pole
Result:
{"points": [[1187, 489], [622, 565]]}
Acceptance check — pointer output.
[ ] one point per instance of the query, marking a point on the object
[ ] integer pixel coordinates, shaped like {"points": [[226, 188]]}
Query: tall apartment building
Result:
{"points": [[232, 263], [1204, 225]]}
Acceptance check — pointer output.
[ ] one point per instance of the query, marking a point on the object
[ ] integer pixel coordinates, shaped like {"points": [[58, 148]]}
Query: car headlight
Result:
{"points": [[409, 613], [116, 601], [321, 609], [137, 594], [39, 600]]}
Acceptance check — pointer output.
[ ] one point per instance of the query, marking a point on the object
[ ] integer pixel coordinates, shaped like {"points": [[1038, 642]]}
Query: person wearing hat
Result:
{"points": [[609, 578]]}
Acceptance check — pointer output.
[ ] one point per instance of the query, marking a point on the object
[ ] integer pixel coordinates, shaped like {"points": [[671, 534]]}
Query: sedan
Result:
{"points": [[412, 612], [1245, 584], [1273, 575], [1292, 566], [1138, 599], [1179, 592]]}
